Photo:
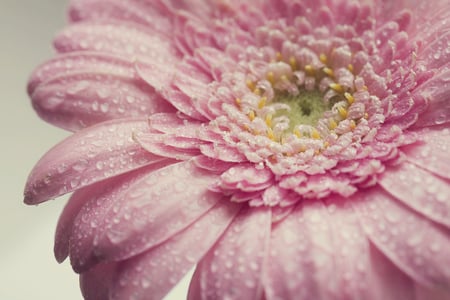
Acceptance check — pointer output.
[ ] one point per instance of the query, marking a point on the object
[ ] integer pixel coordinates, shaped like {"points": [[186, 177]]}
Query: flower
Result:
{"points": [[289, 149]]}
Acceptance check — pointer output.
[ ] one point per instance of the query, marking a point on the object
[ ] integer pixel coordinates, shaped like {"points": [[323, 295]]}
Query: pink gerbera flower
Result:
{"points": [[289, 149]]}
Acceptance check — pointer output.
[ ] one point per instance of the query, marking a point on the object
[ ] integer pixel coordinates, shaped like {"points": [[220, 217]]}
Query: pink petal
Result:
{"points": [[80, 95], [169, 146], [233, 268], [120, 38], [414, 244], [174, 124], [246, 177], [427, 293], [420, 190], [88, 156], [321, 252], [91, 220], [152, 14], [160, 268], [387, 282], [152, 210], [437, 91], [432, 151], [95, 284], [436, 54], [65, 223]]}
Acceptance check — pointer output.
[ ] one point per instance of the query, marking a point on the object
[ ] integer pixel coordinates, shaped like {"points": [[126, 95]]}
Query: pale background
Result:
{"points": [[28, 270]]}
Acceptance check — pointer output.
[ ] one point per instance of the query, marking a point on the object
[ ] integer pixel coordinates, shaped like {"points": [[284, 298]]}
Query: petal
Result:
{"points": [[76, 202], [88, 156], [160, 268], [300, 265], [151, 211], [426, 293], [92, 217], [420, 190], [436, 90], [246, 177], [174, 124], [321, 252], [232, 269], [414, 244], [152, 14], [79, 90], [120, 38], [435, 54], [95, 284], [432, 151]]}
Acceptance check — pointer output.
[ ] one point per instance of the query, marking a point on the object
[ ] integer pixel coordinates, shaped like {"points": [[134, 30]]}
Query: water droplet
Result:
{"points": [[104, 107], [99, 165]]}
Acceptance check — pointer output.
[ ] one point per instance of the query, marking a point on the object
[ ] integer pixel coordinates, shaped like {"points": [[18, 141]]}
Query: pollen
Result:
{"points": [[323, 58], [250, 84], [350, 98], [262, 102], [350, 68], [352, 124], [342, 112], [297, 133], [270, 77], [268, 120], [238, 101], [293, 63], [309, 70], [251, 115], [315, 134], [279, 56], [332, 124], [270, 134], [328, 71], [337, 88]]}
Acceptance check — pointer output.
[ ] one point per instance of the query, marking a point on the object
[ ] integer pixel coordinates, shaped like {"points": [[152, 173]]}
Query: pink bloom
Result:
{"points": [[291, 149]]}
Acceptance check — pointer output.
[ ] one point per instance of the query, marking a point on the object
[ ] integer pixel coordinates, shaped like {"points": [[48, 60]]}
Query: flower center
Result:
{"points": [[306, 107], [298, 100]]}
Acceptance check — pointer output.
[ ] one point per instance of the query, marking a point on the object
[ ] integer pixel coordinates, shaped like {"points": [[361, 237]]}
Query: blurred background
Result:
{"points": [[27, 267]]}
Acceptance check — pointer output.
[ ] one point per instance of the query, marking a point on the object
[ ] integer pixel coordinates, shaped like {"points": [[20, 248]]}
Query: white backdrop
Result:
{"points": [[27, 267]]}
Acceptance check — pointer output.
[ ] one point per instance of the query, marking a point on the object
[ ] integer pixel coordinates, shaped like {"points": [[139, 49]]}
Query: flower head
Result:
{"points": [[290, 149]]}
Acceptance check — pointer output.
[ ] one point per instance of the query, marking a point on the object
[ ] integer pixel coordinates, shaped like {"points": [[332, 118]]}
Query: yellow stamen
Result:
{"points": [[337, 88], [350, 67], [365, 88], [333, 124], [323, 58], [250, 84], [315, 134], [238, 101], [342, 112], [257, 91], [350, 98], [326, 144], [284, 78], [270, 77], [297, 133], [269, 120], [270, 134], [366, 115], [262, 102], [309, 70], [328, 71], [279, 56], [251, 115], [352, 124], [293, 63]]}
